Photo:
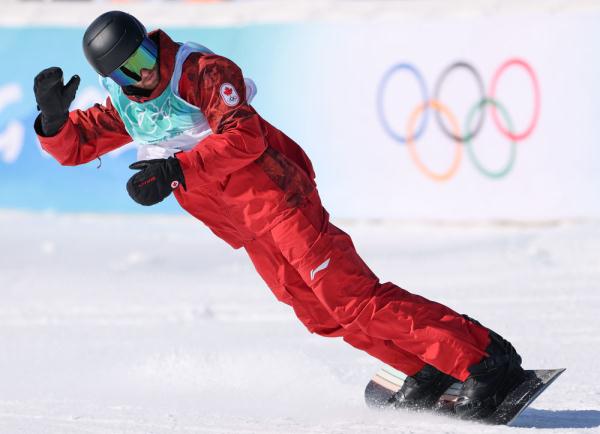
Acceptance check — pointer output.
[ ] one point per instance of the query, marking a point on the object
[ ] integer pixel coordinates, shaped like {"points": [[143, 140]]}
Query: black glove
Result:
{"points": [[155, 180], [53, 98]]}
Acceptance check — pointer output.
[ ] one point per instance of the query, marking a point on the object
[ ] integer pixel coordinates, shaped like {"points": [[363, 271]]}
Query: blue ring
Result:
{"points": [[380, 94]]}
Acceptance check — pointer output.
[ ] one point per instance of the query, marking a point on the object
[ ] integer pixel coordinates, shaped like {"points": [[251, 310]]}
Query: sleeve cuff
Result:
{"points": [[37, 126], [54, 145], [191, 173]]}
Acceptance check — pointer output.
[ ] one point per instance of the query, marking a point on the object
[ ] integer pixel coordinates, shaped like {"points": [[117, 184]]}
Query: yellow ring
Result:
{"points": [[410, 127]]}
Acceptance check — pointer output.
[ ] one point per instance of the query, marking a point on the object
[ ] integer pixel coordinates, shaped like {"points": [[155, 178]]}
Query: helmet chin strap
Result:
{"points": [[137, 91]]}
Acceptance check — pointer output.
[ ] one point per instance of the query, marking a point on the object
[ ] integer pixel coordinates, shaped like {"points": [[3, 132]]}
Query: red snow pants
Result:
{"points": [[313, 266]]}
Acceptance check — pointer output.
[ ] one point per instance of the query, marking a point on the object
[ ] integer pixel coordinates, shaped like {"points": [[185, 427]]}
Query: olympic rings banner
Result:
{"points": [[461, 134], [462, 118], [476, 117]]}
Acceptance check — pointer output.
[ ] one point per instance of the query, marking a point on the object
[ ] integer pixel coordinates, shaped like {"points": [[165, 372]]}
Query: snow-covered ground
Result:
{"points": [[112, 324]]}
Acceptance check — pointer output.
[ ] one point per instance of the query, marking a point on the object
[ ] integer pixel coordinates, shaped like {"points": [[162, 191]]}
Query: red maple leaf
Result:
{"points": [[228, 91]]}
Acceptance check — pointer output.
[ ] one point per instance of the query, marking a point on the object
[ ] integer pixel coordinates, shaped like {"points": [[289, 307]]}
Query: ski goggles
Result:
{"points": [[130, 72]]}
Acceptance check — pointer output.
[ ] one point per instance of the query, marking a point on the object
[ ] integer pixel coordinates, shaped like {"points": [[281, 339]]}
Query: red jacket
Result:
{"points": [[248, 181], [240, 180]]}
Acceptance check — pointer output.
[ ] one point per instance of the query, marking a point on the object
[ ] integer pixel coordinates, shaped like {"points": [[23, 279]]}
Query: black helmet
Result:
{"points": [[111, 39]]}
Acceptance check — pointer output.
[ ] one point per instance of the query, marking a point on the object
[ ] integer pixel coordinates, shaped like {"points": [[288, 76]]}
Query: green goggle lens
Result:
{"points": [[144, 57]]}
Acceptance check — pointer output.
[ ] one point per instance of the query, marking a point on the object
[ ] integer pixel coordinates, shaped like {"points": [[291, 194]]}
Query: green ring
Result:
{"points": [[513, 151]]}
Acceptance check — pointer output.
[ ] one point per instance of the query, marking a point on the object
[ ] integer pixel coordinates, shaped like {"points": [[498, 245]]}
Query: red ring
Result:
{"points": [[536, 92]]}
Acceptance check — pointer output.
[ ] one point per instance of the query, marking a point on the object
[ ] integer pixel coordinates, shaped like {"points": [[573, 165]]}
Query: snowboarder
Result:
{"points": [[254, 187]]}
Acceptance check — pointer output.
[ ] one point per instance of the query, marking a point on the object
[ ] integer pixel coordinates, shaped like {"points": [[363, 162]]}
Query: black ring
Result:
{"points": [[436, 93]]}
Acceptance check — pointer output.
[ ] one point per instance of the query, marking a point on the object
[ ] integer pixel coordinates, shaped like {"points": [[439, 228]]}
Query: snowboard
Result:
{"points": [[380, 392]]}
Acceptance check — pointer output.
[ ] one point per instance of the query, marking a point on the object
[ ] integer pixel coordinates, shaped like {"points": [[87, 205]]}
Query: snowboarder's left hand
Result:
{"points": [[155, 180]]}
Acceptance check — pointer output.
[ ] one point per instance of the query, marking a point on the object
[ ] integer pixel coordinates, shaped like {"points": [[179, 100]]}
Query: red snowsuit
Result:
{"points": [[254, 187]]}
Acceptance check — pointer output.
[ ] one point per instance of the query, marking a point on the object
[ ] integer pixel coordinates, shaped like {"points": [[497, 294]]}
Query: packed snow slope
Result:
{"points": [[112, 324]]}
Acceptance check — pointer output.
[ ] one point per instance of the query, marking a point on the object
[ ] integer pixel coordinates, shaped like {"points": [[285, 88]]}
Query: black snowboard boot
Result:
{"points": [[490, 380], [422, 390]]}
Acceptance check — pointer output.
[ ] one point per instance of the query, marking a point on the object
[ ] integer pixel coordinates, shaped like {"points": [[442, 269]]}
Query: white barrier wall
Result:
{"points": [[409, 110], [465, 117]]}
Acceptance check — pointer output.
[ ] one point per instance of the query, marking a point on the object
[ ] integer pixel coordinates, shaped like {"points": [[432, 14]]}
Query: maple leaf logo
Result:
{"points": [[229, 94]]}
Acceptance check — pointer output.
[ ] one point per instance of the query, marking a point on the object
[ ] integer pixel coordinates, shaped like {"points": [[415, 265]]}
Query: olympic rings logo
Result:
{"points": [[418, 119]]}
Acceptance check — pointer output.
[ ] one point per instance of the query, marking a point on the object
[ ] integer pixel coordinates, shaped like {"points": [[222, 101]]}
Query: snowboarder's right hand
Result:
{"points": [[54, 98]]}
